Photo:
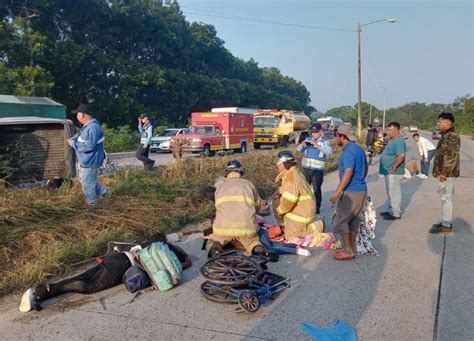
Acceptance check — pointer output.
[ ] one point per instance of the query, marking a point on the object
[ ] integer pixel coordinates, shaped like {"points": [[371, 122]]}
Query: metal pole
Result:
{"points": [[359, 96], [384, 106]]}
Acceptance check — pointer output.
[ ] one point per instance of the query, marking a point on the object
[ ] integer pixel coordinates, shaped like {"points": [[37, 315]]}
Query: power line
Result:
{"points": [[223, 15]]}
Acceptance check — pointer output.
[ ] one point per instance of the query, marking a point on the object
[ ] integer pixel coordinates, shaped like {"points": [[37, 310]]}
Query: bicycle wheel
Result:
{"points": [[231, 270], [217, 293]]}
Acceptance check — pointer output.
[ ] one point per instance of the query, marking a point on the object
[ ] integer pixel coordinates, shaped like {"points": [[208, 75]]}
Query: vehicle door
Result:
{"points": [[218, 139]]}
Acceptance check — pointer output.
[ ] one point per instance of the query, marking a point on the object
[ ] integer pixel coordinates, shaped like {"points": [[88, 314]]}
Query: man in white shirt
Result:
{"points": [[427, 151]]}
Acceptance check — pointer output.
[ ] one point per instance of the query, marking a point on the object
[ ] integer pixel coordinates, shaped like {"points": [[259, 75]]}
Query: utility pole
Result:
{"points": [[359, 92]]}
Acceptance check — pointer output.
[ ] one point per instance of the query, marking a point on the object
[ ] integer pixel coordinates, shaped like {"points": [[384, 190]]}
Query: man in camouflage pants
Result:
{"points": [[446, 169]]}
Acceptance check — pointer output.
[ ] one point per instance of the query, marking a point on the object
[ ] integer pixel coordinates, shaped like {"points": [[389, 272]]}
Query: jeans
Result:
{"points": [[446, 191], [102, 276], [315, 178], [425, 165], [394, 193], [90, 186], [143, 154], [279, 248]]}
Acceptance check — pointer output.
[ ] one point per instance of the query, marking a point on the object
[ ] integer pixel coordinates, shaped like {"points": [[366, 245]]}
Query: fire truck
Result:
{"points": [[278, 127], [221, 129]]}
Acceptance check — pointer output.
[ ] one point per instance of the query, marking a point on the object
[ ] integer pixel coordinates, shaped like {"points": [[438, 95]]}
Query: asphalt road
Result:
{"points": [[421, 287]]}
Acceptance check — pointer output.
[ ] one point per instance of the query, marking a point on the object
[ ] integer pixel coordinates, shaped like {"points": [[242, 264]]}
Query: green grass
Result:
{"points": [[44, 231]]}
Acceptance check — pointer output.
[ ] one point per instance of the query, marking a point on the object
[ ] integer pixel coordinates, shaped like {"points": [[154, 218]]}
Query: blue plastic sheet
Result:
{"points": [[340, 331]]}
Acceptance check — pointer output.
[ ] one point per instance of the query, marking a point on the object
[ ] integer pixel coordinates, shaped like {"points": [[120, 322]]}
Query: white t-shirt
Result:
{"points": [[424, 146]]}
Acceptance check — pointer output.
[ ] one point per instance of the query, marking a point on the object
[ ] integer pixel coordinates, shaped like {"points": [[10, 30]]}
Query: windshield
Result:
{"points": [[169, 132], [207, 130], [265, 121]]}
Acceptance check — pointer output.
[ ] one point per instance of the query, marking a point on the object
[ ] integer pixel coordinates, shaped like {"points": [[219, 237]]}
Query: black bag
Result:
{"points": [[135, 278]]}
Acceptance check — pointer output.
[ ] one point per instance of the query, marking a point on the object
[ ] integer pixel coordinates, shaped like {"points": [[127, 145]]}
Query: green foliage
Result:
{"points": [[349, 114], [120, 139], [20, 48], [421, 114], [129, 57]]}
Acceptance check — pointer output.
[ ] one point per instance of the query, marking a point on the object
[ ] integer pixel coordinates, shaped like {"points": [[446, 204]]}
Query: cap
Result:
{"points": [[346, 129], [84, 108], [234, 166], [285, 156], [317, 127]]}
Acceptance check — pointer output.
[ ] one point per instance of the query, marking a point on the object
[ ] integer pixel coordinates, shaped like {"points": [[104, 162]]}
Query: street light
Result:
{"points": [[384, 104], [359, 97]]}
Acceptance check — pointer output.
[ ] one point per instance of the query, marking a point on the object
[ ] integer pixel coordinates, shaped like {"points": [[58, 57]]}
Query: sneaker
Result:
{"points": [[215, 251], [385, 214], [391, 217], [27, 299], [419, 176], [302, 252], [438, 228]]}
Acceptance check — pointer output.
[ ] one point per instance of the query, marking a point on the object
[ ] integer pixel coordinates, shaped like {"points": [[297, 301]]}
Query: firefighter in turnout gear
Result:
{"points": [[237, 203], [297, 205]]}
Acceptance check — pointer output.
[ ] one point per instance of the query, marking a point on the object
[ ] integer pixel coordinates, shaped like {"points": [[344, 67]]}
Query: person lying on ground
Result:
{"points": [[106, 274]]}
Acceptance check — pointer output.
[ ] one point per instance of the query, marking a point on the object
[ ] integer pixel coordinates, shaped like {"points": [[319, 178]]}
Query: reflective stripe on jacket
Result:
{"points": [[297, 203], [315, 157], [146, 132], [237, 200]]}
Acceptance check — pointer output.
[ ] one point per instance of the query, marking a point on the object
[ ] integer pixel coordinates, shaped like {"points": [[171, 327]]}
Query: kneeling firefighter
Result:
{"points": [[237, 203], [297, 207]]}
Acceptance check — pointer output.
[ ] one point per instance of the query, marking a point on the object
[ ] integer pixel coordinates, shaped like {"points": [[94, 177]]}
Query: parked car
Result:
{"points": [[413, 128], [161, 142], [436, 135]]}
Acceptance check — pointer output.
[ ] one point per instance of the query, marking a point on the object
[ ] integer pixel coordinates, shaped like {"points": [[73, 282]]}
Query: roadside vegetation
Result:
{"points": [[44, 231]]}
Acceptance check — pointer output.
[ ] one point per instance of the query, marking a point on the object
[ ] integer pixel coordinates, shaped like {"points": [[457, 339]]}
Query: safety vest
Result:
{"points": [[144, 138], [236, 200], [314, 158]]}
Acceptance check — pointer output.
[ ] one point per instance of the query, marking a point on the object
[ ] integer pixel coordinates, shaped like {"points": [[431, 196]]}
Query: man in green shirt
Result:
{"points": [[392, 166]]}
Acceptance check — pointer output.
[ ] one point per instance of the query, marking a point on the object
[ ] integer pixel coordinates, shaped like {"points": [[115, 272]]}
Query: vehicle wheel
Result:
{"points": [[243, 148], [284, 141], [249, 302], [256, 145], [207, 151], [218, 293]]}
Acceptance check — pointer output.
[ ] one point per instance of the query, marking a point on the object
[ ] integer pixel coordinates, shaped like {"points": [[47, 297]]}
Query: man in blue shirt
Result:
{"points": [[351, 193], [392, 166], [315, 149], [146, 133], [89, 148]]}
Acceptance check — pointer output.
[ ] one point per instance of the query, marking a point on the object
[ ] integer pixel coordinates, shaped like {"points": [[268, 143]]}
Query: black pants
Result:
{"points": [[142, 155], [102, 276], [315, 179]]}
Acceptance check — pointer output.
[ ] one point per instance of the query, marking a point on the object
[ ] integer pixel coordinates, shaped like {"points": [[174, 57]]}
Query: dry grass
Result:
{"points": [[43, 231]]}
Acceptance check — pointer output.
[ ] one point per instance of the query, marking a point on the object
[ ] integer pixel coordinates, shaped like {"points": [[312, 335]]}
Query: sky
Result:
{"points": [[426, 56]]}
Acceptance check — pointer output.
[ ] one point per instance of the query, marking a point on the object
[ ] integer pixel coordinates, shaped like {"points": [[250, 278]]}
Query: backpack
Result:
{"points": [[162, 265], [135, 278]]}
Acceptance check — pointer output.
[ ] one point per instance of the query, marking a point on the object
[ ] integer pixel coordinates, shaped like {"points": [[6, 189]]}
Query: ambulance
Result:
{"points": [[221, 129]]}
